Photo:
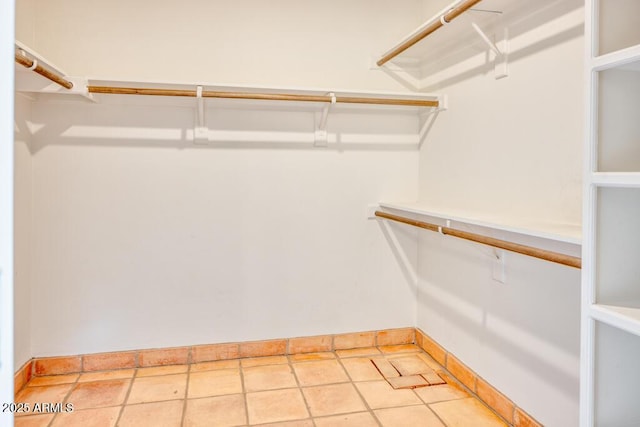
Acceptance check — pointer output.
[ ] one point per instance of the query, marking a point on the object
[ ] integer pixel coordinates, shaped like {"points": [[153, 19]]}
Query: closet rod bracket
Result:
{"points": [[321, 137], [200, 132]]}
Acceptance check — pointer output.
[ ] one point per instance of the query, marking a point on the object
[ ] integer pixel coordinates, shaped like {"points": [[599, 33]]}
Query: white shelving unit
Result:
{"points": [[611, 271]]}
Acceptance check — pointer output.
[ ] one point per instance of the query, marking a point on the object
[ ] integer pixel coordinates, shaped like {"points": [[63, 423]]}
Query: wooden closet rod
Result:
{"points": [[556, 257], [447, 17], [28, 63], [262, 96]]}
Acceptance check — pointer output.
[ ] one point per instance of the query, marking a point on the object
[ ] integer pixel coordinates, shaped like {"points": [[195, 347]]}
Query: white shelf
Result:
{"points": [[30, 82], [625, 318], [616, 179], [356, 113], [34, 84], [565, 233], [456, 32], [247, 103], [619, 58]]}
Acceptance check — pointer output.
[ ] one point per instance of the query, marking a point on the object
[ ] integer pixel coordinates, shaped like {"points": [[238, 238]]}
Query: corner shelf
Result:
{"points": [[450, 34]]}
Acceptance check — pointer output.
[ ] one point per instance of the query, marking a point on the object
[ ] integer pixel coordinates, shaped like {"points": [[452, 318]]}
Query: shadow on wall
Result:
{"points": [[449, 59], [137, 122], [21, 127], [533, 320], [397, 237]]}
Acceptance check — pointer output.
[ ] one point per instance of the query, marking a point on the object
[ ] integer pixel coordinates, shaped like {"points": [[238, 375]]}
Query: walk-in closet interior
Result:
{"points": [[320, 213]]}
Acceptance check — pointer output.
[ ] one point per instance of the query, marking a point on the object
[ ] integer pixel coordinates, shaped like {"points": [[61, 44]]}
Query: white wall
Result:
{"points": [[154, 242], [149, 241], [510, 148], [25, 21], [326, 44], [504, 139], [22, 230]]}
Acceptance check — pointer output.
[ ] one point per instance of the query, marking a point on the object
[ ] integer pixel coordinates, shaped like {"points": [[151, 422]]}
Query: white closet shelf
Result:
{"points": [[616, 179], [242, 94], [413, 48], [51, 81], [619, 58], [625, 318], [556, 232]]}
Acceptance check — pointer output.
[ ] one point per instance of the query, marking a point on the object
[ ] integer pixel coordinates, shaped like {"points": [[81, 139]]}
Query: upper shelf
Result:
{"points": [[243, 95], [448, 27], [487, 35], [36, 75]]}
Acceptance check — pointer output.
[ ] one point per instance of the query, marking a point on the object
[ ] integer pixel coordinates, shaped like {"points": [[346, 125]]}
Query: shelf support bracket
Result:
{"points": [[486, 40], [321, 137], [201, 133], [500, 61]]}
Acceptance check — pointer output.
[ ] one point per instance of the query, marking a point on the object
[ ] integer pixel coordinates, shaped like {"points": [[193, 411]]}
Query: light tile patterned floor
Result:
{"points": [[337, 389]]}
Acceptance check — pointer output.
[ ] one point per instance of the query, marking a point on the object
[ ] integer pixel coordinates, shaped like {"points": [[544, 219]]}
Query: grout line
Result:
{"points": [[126, 397], [186, 390], [244, 391], [360, 412], [66, 398], [428, 405], [295, 376], [353, 383], [472, 394], [136, 359]]}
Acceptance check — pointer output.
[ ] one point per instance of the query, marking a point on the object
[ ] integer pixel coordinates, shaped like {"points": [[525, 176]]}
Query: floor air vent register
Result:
{"points": [[407, 372]]}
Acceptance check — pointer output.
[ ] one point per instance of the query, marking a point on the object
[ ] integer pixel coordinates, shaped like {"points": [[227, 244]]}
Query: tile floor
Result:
{"points": [[333, 389]]}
